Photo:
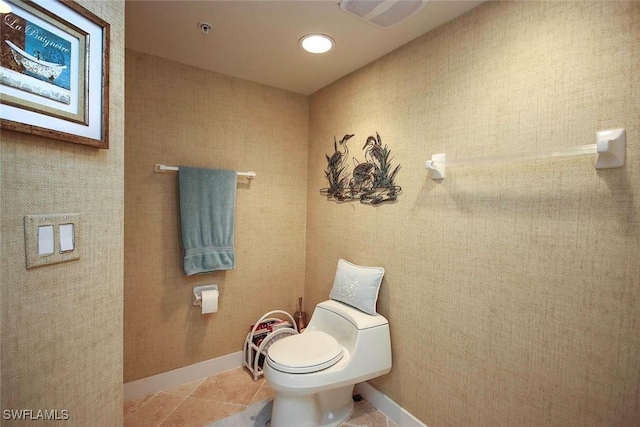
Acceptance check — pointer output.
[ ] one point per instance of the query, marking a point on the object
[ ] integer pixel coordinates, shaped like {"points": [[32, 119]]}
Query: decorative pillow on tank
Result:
{"points": [[357, 286]]}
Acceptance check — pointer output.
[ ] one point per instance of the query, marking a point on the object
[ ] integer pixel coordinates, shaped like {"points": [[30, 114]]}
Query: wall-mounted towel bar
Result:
{"points": [[610, 150], [164, 168]]}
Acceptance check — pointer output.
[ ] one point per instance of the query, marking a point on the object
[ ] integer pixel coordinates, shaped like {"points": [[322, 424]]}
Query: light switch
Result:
{"points": [[51, 239], [45, 240], [66, 237]]}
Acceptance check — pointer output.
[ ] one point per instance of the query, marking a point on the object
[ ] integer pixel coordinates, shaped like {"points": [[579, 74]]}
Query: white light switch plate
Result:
{"points": [[66, 239]]}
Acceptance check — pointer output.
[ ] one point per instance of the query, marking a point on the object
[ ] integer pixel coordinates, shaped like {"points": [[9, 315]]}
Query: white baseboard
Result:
{"points": [[166, 380], [384, 404]]}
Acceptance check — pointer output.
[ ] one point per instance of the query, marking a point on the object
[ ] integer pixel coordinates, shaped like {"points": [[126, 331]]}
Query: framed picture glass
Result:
{"points": [[54, 71]]}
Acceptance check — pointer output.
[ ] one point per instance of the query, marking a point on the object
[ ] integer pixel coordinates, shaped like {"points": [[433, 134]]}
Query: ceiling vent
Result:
{"points": [[382, 13]]}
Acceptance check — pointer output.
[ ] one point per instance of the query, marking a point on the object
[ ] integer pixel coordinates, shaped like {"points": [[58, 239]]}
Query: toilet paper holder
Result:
{"points": [[197, 293]]}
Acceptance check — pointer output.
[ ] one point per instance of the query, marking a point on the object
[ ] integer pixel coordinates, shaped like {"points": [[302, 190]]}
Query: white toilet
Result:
{"points": [[313, 374]]}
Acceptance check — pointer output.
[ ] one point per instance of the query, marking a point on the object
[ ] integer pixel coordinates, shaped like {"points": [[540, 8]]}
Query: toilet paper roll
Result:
{"points": [[210, 301]]}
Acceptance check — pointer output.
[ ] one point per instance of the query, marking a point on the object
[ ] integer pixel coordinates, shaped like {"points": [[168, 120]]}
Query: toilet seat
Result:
{"points": [[308, 352]]}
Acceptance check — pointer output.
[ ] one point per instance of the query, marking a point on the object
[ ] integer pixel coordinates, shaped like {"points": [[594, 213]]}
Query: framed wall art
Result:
{"points": [[54, 71]]}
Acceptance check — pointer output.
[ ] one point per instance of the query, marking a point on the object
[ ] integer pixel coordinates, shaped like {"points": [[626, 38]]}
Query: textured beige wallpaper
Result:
{"points": [[62, 324], [513, 290], [180, 115]]}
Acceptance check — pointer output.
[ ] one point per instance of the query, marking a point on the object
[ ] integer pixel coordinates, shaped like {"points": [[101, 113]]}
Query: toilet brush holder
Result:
{"points": [[300, 316], [301, 319]]}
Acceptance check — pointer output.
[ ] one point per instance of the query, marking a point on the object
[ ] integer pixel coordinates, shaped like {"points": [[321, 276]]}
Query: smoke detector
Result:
{"points": [[383, 13]]}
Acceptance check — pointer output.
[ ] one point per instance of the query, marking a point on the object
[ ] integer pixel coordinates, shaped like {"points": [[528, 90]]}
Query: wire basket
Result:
{"points": [[258, 340]]}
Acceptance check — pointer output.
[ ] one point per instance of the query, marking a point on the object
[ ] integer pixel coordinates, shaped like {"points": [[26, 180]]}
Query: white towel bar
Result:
{"points": [[610, 150], [164, 168]]}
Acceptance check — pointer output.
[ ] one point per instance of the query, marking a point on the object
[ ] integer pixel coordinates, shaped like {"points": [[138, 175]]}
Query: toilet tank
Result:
{"points": [[346, 324]]}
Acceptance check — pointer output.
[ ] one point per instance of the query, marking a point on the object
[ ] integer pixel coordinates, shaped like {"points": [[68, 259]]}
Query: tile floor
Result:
{"points": [[201, 402]]}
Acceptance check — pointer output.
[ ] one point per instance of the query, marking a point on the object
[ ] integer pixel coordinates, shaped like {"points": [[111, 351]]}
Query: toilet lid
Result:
{"points": [[310, 351]]}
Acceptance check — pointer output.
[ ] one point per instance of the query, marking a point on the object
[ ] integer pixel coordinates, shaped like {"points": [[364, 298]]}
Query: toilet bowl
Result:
{"points": [[313, 374]]}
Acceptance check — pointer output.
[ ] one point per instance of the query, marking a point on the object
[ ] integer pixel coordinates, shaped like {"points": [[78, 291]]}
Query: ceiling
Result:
{"points": [[258, 40]]}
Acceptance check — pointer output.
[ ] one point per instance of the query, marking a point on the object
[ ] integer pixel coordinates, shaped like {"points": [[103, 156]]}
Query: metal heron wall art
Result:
{"points": [[371, 182]]}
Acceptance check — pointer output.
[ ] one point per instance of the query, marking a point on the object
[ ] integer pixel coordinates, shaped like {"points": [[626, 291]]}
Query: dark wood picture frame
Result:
{"points": [[54, 72]]}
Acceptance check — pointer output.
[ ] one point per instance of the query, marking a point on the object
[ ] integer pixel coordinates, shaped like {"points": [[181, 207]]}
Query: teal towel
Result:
{"points": [[207, 219]]}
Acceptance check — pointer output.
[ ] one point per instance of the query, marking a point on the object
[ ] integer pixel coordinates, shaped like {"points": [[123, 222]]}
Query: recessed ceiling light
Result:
{"points": [[316, 43]]}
